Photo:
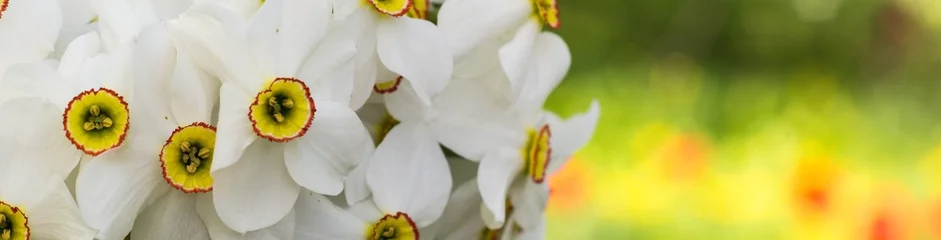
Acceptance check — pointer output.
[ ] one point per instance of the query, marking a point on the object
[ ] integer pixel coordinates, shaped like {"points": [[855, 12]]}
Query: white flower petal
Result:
{"points": [[257, 192], [78, 53], [172, 216], [329, 68], [408, 173], [497, 171], [405, 105], [36, 80], [467, 23], [262, 37], [117, 22], [325, 220], [216, 41], [303, 24], [57, 217], [461, 218], [362, 23], [244, 8], [536, 233], [410, 47], [517, 54], [354, 188], [234, 132], [473, 137], [529, 204], [35, 141], [571, 135], [548, 65], [366, 210], [115, 186], [193, 94], [152, 67], [30, 29], [284, 229], [320, 160]]}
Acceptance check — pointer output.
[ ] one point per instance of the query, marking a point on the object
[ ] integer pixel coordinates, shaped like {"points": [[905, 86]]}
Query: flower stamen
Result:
{"points": [[96, 121], [547, 11], [283, 111], [393, 227], [14, 225], [187, 157]]}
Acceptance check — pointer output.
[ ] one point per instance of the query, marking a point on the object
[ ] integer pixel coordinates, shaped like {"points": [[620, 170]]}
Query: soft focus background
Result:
{"points": [[752, 119]]}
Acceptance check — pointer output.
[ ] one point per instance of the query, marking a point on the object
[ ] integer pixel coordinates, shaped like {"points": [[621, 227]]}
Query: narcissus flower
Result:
{"points": [[394, 35], [88, 88], [28, 30], [284, 115], [34, 201], [520, 170], [152, 183]]}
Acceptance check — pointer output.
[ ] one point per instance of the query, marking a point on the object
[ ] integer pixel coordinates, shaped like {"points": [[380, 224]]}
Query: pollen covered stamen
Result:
{"points": [[275, 107], [393, 227], [96, 121], [283, 111], [537, 153], [187, 157], [193, 156], [13, 223]]}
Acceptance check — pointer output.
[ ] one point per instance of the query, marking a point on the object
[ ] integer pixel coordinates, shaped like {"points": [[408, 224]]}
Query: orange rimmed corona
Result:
{"points": [[14, 225], [283, 111], [398, 226], [96, 121], [537, 153], [186, 158]]}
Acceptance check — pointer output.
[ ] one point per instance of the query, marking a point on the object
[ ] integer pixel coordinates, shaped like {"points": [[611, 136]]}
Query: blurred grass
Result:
{"points": [[752, 120]]}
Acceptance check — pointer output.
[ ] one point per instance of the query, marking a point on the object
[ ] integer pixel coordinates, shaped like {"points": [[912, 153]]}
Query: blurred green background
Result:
{"points": [[752, 119]]}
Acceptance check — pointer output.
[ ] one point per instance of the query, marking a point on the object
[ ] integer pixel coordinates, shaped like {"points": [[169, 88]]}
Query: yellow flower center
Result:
{"points": [[537, 152], [383, 129], [3, 7], [419, 9], [14, 225], [388, 86], [187, 156], [547, 11], [283, 111], [393, 227], [96, 121], [393, 8]]}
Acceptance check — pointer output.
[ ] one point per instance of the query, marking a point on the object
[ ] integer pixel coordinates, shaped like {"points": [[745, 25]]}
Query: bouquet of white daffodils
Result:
{"points": [[280, 119]]}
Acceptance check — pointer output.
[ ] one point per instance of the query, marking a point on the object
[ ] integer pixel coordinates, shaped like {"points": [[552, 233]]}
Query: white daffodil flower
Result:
{"points": [[28, 30], [284, 115], [34, 201], [153, 182], [86, 88], [401, 218], [461, 218], [543, 145], [394, 35]]}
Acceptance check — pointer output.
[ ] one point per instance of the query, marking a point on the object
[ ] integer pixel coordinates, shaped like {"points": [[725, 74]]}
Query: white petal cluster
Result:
{"points": [[280, 119]]}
